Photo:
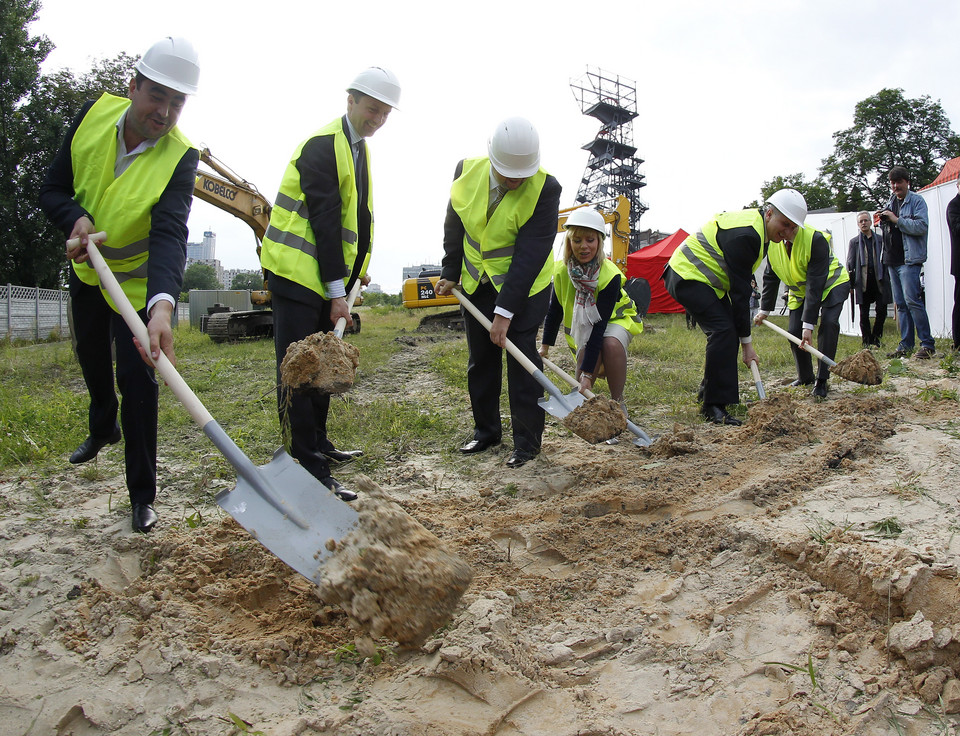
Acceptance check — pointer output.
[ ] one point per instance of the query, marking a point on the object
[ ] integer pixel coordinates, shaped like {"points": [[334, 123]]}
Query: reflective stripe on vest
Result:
{"points": [[624, 313], [792, 270], [488, 248], [700, 257], [289, 246], [121, 205]]}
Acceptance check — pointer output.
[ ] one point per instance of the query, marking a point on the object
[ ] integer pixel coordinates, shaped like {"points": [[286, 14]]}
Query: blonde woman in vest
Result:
{"points": [[126, 169], [599, 319], [817, 286]]}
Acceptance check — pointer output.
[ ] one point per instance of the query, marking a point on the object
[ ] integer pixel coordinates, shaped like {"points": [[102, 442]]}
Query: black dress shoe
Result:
{"points": [[477, 446], [92, 445], [798, 382], [144, 517], [342, 456], [717, 414], [820, 389], [341, 492], [519, 458]]}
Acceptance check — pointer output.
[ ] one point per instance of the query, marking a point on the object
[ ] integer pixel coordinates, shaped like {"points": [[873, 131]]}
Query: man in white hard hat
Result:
{"points": [[709, 274], [498, 245], [126, 169], [817, 285], [317, 246]]}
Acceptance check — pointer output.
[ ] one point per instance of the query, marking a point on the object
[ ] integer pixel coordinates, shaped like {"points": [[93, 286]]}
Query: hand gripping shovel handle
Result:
{"points": [[351, 298], [797, 341], [756, 379], [183, 392], [522, 359], [589, 394]]}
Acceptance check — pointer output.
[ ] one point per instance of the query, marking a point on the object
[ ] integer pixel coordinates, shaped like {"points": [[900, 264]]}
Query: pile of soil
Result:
{"points": [[321, 361], [596, 420], [394, 578], [860, 368]]}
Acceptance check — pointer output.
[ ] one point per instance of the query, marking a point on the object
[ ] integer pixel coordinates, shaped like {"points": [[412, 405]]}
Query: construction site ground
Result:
{"points": [[797, 575]]}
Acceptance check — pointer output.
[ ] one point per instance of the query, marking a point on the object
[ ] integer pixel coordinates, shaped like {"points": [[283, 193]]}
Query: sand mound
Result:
{"points": [[320, 361], [393, 577], [860, 368], [596, 420]]}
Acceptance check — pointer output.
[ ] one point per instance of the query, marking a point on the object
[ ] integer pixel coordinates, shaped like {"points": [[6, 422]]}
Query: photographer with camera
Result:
{"points": [[905, 222]]}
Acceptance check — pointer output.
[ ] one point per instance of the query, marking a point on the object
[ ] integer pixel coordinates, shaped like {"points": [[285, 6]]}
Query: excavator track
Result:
{"points": [[236, 326]]}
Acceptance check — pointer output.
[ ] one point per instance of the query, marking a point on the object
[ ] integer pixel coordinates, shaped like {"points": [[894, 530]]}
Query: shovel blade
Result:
{"points": [[326, 516], [555, 408]]}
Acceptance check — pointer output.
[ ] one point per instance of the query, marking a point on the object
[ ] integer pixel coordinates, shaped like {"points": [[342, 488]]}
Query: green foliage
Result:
{"points": [[240, 725], [349, 653], [252, 280], [889, 528], [816, 193], [888, 130], [200, 276], [378, 298]]}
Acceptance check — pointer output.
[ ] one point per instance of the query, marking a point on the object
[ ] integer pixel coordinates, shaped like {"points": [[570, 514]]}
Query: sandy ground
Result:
{"points": [[797, 575]]}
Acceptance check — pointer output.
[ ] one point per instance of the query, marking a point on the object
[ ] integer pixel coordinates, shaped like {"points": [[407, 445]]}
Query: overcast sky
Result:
{"points": [[729, 94]]}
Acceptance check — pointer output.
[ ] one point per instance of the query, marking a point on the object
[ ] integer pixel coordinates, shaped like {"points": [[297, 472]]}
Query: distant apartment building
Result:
{"points": [[229, 273], [205, 251]]}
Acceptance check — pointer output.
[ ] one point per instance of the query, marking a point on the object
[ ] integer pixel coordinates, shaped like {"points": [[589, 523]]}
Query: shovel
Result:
{"points": [[351, 298], [756, 379], [834, 368], [559, 405], [642, 438], [285, 508]]}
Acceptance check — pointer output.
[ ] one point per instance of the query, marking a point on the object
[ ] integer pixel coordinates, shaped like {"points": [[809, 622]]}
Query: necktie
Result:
{"points": [[361, 169], [501, 190]]}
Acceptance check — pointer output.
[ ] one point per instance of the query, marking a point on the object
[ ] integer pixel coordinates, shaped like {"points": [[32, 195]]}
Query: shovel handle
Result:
{"points": [[797, 341], [183, 392], [756, 379], [514, 351], [351, 298]]}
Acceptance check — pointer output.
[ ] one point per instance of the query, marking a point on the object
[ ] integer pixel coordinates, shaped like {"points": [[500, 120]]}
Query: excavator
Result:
{"points": [[419, 292], [234, 194]]}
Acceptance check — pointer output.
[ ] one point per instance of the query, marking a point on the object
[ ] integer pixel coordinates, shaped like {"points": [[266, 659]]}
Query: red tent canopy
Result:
{"points": [[647, 263], [949, 172]]}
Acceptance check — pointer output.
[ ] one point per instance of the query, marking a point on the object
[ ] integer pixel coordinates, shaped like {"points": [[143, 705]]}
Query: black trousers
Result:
{"points": [[95, 327], [715, 317], [485, 371], [304, 412], [956, 312], [828, 334], [872, 295]]}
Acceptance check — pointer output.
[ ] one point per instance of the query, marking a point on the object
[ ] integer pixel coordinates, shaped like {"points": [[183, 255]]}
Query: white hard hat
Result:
{"points": [[514, 148], [173, 63], [379, 83], [791, 205], [586, 217]]}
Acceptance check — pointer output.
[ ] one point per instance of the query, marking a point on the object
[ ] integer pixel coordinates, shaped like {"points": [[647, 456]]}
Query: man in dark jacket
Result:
{"points": [[953, 225], [126, 169], [869, 277]]}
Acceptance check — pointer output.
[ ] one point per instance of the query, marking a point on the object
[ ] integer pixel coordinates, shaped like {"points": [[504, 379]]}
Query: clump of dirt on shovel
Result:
{"points": [[860, 368], [596, 420], [321, 361], [394, 578]]}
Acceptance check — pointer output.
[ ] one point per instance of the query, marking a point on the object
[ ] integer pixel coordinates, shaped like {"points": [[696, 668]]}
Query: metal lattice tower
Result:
{"points": [[613, 167]]}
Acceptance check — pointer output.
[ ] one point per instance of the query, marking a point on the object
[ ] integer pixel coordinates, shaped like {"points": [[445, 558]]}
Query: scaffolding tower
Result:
{"points": [[613, 167]]}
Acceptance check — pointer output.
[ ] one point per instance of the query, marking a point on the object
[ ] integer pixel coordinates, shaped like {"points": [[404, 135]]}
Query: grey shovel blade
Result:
{"points": [[555, 408], [324, 515]]}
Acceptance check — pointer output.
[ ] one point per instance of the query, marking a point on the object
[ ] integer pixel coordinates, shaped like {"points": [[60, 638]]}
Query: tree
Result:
{"points": [[252, 280], [200, 276], [816, 193], [888, 130]]}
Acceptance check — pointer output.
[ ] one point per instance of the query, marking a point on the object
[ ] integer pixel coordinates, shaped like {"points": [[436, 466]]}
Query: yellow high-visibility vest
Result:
{"points": [[792, 269]]}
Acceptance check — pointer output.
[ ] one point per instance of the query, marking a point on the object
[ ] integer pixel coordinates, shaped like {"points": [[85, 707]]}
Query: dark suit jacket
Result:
{"points": [[953, 225], [320, 183], [168, 219], [855, 264], [533, 246]]}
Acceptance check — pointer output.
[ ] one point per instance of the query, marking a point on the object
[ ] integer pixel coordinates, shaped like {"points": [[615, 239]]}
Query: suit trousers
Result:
{"points": [[715, 317], [873, 294], [303, 412], [95, 327], [828, 334], [485, 371]]}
